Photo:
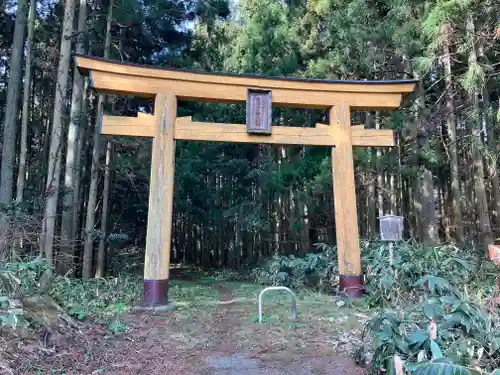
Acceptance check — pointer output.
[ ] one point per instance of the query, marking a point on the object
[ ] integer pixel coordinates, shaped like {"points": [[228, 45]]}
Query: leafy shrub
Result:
{"points": [[393, 281], [230, 275], [388, 281], [17, 281], [124, 259], [20, 230], [317, 270], [443, 334], [101, 299]]}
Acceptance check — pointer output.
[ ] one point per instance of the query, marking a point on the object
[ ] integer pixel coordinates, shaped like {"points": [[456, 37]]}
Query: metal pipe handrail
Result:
{"points": [[294, 300]]}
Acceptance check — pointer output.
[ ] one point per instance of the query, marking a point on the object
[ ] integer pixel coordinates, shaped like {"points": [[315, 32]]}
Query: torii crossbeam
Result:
{"points": [[167, 86]]}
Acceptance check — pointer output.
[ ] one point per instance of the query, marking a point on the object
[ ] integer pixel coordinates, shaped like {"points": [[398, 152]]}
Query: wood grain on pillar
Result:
{"points": [[344, 192], [161, 192]]}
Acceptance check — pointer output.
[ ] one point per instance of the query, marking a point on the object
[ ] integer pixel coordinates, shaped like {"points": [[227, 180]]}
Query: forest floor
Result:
{"points": [[212, 329]]}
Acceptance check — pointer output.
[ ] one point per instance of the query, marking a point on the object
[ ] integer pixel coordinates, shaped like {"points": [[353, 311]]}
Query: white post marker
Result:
{"points": [[294, 300]]}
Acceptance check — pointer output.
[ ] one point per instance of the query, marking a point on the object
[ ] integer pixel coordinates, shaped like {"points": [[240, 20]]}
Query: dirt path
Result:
{"points": [[225, 321], [219, 338], [231, 359]]}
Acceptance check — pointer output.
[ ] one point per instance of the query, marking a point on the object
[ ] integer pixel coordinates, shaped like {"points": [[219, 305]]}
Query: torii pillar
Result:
{"points": [[161, 201], [344, 196]]}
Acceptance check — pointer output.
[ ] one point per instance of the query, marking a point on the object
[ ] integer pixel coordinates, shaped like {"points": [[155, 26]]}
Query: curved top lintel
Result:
{"points": [[116, 77]]}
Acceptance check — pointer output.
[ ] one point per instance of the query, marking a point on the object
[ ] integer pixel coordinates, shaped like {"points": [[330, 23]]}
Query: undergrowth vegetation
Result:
{"points": [[18, 280], [439, 304], [107, 300], [102, 300], [444, 331], [389, 281], [316, 270]]}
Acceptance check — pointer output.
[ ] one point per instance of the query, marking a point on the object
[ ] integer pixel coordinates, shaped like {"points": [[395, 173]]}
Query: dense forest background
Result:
{"points": [[80, 199]]}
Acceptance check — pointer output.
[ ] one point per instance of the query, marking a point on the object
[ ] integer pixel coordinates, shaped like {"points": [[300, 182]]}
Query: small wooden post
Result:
{"points": [[344, 193], [161, 192]]}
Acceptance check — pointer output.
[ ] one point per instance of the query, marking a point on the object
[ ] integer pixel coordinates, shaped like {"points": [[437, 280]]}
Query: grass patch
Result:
{"points": [[321, 322], [101, 300], [107, 299], [186, 294]]}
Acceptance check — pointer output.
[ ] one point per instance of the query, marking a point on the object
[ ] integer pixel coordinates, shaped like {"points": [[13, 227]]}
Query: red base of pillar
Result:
{"points": [[352, 285], [155, 292]]}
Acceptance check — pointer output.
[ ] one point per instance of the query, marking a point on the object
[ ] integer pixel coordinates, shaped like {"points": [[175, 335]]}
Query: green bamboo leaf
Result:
{"points": [[433, 309], [442, 366], [417, 339], [436, 350]]}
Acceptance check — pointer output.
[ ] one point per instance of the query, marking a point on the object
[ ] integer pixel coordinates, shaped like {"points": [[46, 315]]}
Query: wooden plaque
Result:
{"points": [[259, 111]]}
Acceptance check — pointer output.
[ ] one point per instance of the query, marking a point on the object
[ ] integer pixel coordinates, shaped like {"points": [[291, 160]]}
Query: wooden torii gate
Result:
{"points": [[167, 86]]}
